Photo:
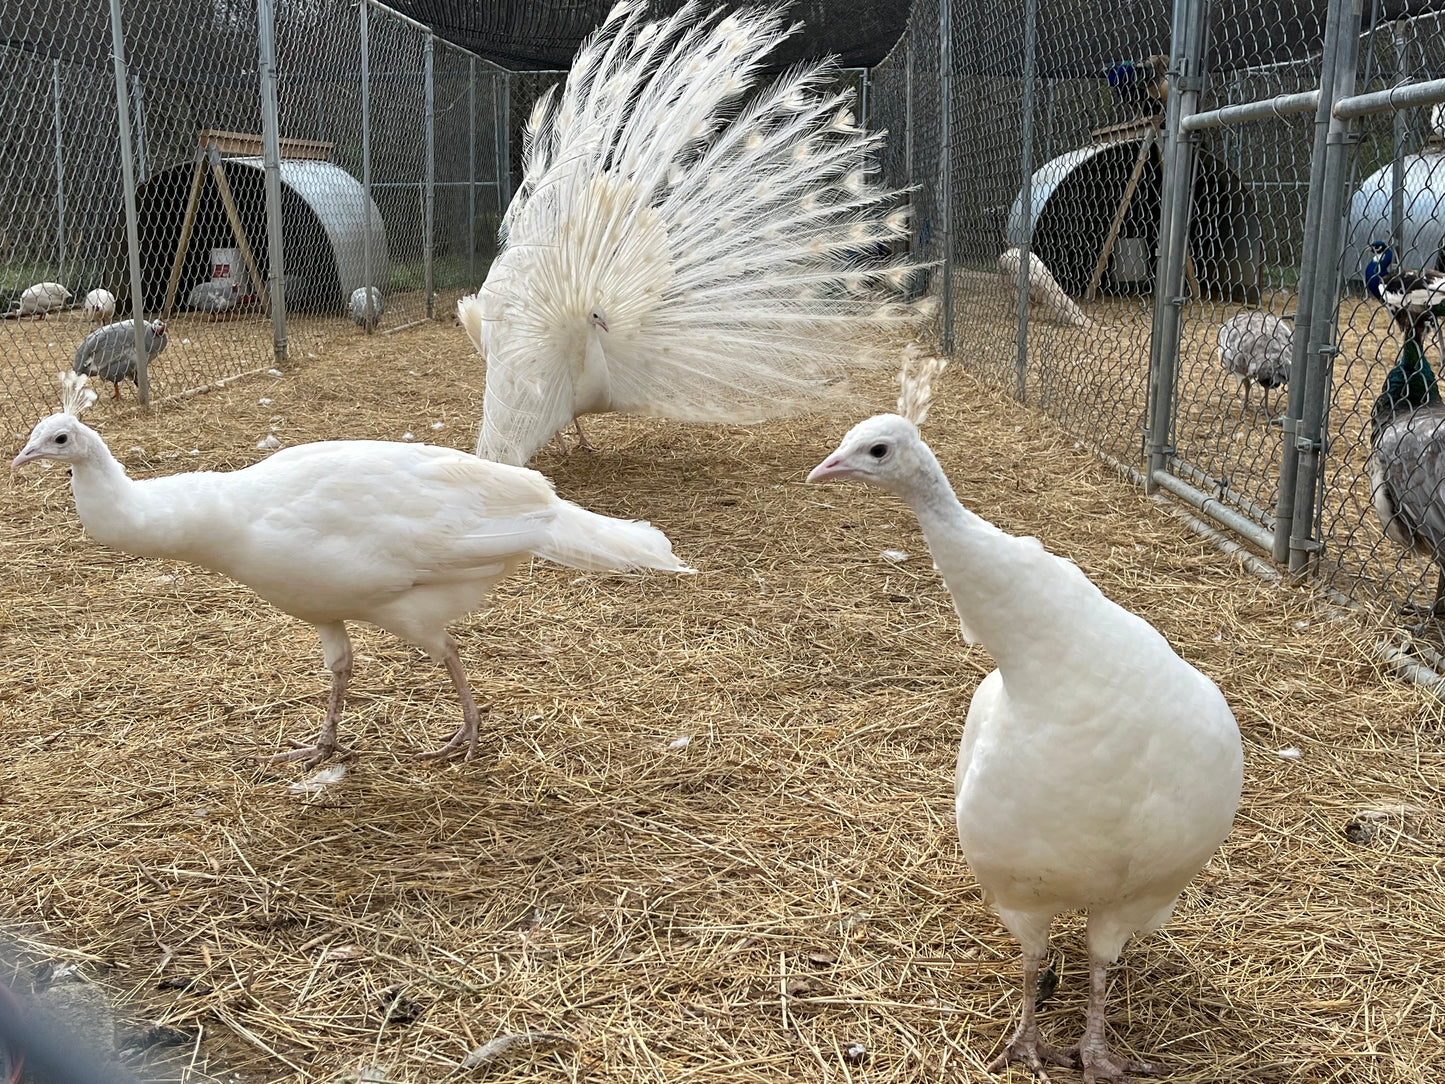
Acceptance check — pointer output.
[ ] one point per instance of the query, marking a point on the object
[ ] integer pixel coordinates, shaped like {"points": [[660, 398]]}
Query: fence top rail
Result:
{"points": [[1405, 96], [1281, 105], [392, 13]]}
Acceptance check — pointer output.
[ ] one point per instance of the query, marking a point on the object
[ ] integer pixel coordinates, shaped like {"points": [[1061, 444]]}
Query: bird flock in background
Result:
{"points": [[689, 242]]}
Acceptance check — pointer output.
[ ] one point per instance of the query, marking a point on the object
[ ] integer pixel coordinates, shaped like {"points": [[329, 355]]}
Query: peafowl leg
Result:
{"points": [[466, 733], [1026, 1047], [337, 646], [582, 442], [1092, 1051]]}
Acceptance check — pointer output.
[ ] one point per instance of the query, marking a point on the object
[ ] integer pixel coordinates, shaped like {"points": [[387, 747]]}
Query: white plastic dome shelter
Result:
{"points": [[1422, 232], [1076, 195], [323, 230]]}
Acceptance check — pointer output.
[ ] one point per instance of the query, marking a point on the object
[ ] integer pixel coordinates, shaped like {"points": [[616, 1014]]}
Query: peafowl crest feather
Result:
{"points": [[685, 243]]}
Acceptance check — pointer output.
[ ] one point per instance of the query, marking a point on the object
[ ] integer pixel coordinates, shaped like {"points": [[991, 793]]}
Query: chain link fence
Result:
{"points": [[162, 159], [1193, 190]]}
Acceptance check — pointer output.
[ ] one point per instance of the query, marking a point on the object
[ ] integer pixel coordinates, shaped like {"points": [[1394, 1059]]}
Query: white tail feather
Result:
{"points": [[1043, 288], [737, 256], [586, 540]]}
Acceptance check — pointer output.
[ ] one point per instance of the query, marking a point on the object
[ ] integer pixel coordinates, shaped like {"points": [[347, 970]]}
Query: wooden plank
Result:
{"points": [[1145, 146], [249, 145], [173, 283], [218, 170]]}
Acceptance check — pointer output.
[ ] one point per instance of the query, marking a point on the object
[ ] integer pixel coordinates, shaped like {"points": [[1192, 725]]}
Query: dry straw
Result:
{"points": [[708, 837]]}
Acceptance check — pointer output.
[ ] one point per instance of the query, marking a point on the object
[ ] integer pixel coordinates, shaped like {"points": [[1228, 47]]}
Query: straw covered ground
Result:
{"points": [[708, 835]]}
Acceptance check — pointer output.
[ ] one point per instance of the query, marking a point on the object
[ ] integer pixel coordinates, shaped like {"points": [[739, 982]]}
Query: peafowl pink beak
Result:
{"points": [[830, 468], [27, 455]]}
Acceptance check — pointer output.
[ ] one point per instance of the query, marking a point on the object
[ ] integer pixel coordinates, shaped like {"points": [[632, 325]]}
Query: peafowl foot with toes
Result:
{"points": [[323, 748], [1031, 1051]]}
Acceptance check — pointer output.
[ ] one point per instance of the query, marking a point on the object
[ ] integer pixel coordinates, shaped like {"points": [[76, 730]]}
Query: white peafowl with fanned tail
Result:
{"points": [[683, 245], [408, 537], [1098, 770]]}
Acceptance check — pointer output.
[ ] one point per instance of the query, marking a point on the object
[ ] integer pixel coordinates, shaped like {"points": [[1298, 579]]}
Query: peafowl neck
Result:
{"points": [[592, 386], [1375, 271], [995, 579], [107, 500], [1410, 385]]}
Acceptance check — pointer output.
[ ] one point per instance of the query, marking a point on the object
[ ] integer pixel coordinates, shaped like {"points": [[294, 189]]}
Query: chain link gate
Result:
{"points": [[167, 158]]}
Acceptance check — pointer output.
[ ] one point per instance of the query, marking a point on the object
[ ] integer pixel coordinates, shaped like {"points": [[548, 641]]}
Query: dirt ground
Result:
{"points": [[752, 903]]}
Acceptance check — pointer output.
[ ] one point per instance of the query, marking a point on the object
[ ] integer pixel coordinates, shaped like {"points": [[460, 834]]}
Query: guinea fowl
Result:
{"points": [[684, 244], [42, 298], [1255, 347], [408, 537], [1137, 751], [213, 297], [109, 352], [1406, 465], [99, 306], [360, 313]]}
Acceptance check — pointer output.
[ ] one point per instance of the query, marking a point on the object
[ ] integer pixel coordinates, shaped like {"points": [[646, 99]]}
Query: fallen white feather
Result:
{"points": [[680, 743], [1292, 753], [503, 1045], [270, 443], [326, 777], [897, 557]]}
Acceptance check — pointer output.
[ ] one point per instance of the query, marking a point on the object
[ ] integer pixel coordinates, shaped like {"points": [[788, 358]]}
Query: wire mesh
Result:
{"points": [[191, 77], [1397, 196], [1057, 134]]}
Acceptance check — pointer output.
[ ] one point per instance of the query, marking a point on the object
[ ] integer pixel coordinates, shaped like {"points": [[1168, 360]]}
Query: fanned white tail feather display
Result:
{"points": [[1044, 289], [683, 244]]}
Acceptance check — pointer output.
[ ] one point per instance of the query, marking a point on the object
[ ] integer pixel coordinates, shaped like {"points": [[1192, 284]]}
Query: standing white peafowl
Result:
{"points": [[109, 352], [1098, 770], [99, 306], [1044, 289], [1255, 347], [1406, 466], [682, 244], [408, 537], [362, 314], [42, 298]]}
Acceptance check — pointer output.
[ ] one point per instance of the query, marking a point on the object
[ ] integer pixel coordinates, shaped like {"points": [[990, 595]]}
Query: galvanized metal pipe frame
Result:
{"points": [[1176, 202], [1305, 290], [271, 159], [471, 168], [364, 32], [1308, 444], [1281, 105], [1026, 198], [1401, 34], [132, 227], [59, 174], [945, 163], [429, 241]]}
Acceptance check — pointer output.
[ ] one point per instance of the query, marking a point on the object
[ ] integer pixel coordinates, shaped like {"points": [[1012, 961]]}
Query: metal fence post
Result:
{"points": [[945, 161], [142, 158], [502, 126], [1402, 131], [59, 175], [471, 170], [1309, 441], [1026, 196], [363, 29], [864, 86], [132, 226], [271, 158], [1175, 205], [429, 239], [908, 110], [1304, 305]]}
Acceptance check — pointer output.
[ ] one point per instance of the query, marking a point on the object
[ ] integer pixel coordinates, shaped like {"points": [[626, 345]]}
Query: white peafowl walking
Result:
{"points": [[408, 537], [1098, 770], [682, 244], [1044, 289]]}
